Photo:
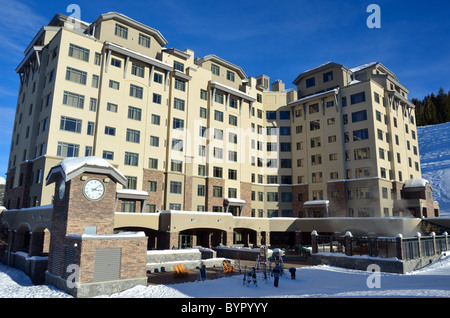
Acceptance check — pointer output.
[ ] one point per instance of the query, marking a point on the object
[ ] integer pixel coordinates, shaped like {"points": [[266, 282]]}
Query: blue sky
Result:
{"points": [[278, 38]]}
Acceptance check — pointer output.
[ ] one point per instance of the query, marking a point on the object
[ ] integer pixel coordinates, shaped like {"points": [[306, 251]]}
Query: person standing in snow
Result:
{"points": [[276, 274]]}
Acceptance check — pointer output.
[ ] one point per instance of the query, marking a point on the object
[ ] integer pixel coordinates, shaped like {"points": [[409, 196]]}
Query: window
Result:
{"points": [[285, 131], [218, 153], [201, 190], [271, 146], [232, 120], [316, 177], [131, 184], [114, 85], [217, 172], [232, 156], [110, 131], [218, 98], [272, 196], [73, 100], [376, 97], [364, 193], [133, 135], [316, 160], [90, 128], [232, 174], [285, 146], [152, 163], [203, 94], [315, 142], [271, 115], [285, 114], [131, 159], [272, 179], [310, 82], [156, 119], [116, 62], [178, 66], [121, 31], [137, 70], [76, 76], [215, 69], [328, 76], [360, 134], [136, 91], [144, 40], [111, 107], [232, 138], [313, 108], [232, 193], [218, 115], [79, 52], [175, 206], [358, 98], [98, 58], [201, 170], [154, 141], [314, 124], [156, 98], [175, 187], [359, 116], [177, 144], [176, 165], [134, 113], [203, 112], [70, 124], [95, 81], [178, 123], [67, 150], [362, 153], [230, 76], [157, 78], [217, 191], [109, 155], [178, 104], [180, 85], [363, 172]]}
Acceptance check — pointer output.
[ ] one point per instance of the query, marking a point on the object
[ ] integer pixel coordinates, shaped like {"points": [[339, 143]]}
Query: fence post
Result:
{"points": [[399, 241], [348, 243], [446, 240], [433, 235], [419, 243], [314, 247]]}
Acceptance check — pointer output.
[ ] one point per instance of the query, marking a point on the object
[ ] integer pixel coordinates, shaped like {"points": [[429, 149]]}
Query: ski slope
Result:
{"points": [[434, 150]]}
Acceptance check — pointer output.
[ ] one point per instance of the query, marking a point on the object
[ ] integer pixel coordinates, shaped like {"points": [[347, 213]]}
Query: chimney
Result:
{"points": [[278, 86]]}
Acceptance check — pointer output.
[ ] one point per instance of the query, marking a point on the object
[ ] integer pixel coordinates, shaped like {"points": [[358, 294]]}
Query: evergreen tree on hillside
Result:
{"points": [[433, 109]]}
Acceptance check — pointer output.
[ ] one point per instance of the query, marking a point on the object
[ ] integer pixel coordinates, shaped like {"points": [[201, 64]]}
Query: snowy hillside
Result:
{"points": [[434, 148]]}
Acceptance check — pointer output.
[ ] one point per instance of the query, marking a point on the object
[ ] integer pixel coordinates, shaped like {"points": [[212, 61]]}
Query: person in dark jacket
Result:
{"points": [[276, 274]]}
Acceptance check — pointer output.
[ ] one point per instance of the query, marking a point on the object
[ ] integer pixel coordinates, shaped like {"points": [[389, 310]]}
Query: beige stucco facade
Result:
{"points": [[192, 132]]}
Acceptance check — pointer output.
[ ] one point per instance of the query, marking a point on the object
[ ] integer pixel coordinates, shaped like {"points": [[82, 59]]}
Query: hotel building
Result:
{"points": [[199, 134]]}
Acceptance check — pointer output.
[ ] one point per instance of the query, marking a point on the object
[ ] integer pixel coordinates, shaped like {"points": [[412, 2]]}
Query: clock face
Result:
{"points": [[61, 189], [94, 189]]}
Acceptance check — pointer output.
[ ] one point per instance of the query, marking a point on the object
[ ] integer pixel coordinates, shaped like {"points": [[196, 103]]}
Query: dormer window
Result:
{"points": [[121, 31]]}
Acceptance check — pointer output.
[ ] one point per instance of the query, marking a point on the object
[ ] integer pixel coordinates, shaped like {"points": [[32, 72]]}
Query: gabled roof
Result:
{"points": [[319, 68], [224, 63], [133, 23], [71, 167]]}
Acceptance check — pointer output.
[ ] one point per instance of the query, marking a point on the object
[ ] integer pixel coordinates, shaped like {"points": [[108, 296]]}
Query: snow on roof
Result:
{"points": [[416, 183], [69, 167], [363, 66]]}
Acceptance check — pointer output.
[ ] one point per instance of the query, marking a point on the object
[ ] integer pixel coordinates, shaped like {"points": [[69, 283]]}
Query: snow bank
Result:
{"points": [[315, 281]]}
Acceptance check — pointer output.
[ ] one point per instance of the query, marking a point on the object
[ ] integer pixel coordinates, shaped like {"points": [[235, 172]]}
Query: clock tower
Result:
{"points": [[84, 251]]}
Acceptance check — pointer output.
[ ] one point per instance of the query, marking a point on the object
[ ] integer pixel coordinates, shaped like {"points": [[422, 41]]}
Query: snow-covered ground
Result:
{"points": [[434, 150], [312, 282]]}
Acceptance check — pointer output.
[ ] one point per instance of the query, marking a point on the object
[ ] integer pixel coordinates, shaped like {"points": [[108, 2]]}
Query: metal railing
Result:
{"points": [[384, 247]]}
